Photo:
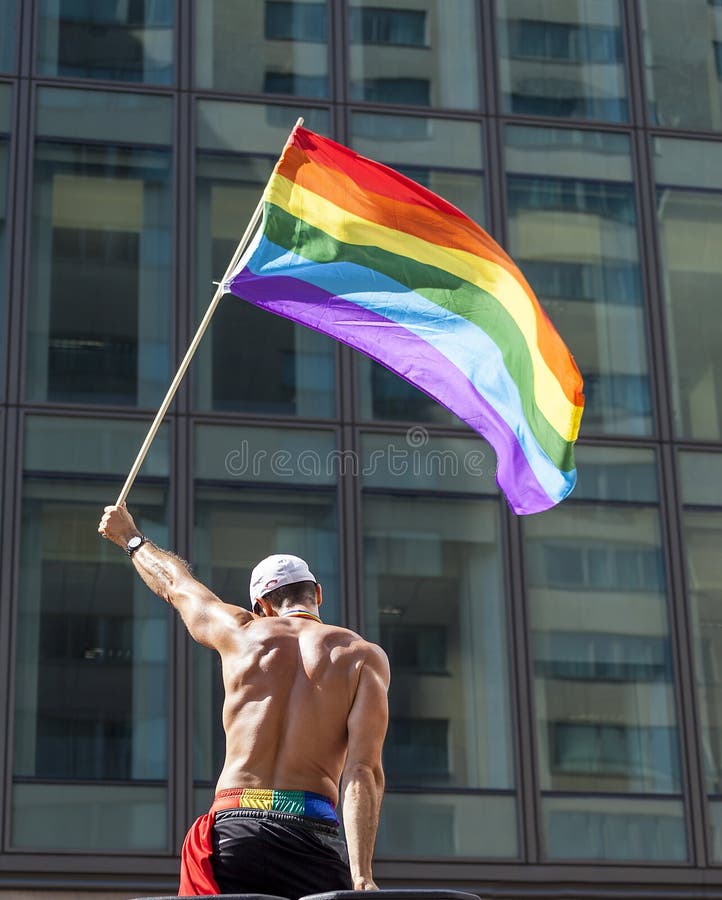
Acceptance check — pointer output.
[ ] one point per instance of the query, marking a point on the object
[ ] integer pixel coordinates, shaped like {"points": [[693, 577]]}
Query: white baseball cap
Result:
{"points": [[276, 571]]}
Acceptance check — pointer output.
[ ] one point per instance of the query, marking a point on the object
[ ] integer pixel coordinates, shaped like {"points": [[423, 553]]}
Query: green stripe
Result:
{"points": [[289, 802], [467, 300]]}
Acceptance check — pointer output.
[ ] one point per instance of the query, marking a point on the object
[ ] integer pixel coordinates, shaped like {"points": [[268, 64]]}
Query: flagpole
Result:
{"points": [[153, 430]]}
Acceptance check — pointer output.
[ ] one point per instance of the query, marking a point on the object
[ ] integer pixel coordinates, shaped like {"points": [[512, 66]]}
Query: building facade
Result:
{"points": [[556, 704]]}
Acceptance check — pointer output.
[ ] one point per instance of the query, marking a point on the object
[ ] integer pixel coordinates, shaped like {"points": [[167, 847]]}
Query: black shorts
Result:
{"points": [[277, 853]]}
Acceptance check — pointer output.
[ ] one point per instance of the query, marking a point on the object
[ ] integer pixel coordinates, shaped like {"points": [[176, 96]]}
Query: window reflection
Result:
{"points": [[614, 828], [689, 211], [87, 630], [425, 56], [447, 158], [8, 35], [237, 524], [682, 44], [274, 47], [433, 597], [603, 670], [573, 233], [702, 524], [561, 61], [251, 360], [104, 39], [99, 318]]}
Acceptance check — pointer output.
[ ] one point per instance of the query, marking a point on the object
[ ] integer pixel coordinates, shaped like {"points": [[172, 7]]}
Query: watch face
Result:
{"points": [[134, 542]]}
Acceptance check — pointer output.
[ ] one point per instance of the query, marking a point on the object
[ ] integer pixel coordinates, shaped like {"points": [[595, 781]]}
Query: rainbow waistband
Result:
{"points": [[293, 803]]}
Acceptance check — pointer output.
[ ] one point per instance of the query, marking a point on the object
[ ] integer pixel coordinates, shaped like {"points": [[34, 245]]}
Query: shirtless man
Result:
{"points": [[305, 707]]}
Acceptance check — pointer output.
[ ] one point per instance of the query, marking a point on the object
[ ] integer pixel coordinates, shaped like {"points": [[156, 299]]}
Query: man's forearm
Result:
{"points": [[362, 795], [160, 570]]}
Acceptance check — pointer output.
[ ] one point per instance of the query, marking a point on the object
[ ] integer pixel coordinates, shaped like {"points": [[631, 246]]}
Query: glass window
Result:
{"points": [[249, 360], [450, 464], [603, 668], [447, 157], [273, 47], [258, 491], [563, 61], [8, 35], [682, 43], [614, 828], [5, 106], [414, 57], [434, 598], [88, 629], [573, 233], [689, 212], [99, 317], [104, 39], [702, 532]]}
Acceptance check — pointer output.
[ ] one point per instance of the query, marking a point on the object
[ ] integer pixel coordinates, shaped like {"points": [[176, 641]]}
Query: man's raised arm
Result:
{"points": [[363, 776], [209, 621]]}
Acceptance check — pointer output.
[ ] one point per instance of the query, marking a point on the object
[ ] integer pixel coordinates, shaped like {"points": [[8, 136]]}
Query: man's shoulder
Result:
{"points": [[366, 650]]}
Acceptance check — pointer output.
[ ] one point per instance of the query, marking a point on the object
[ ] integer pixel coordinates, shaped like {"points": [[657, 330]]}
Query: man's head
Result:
{"points": [[283, 580]]}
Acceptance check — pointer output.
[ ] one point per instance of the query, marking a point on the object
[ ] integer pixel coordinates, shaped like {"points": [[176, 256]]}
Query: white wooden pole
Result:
{"points": [[143, 452]]}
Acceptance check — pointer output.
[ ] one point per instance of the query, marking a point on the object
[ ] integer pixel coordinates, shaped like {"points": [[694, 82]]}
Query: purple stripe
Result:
{"points": [[411, 358]]}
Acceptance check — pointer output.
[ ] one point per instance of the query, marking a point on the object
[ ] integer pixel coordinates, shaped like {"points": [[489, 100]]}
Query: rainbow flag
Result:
{"points": [[359, 252]]}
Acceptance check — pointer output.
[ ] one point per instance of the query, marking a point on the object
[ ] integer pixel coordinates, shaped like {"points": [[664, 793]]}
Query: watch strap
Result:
{"points": [[131, 550]]}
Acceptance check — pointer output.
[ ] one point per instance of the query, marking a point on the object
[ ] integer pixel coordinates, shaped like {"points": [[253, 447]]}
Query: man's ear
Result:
{"points": [[267, 609], [319, 595]]}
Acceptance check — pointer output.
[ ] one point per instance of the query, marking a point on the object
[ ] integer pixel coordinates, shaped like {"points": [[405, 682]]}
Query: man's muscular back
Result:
{"points": [[305, 702], [290, 684]]}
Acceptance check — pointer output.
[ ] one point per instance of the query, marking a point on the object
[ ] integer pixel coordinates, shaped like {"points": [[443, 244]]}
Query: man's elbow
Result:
{"points": [[365, 773]]}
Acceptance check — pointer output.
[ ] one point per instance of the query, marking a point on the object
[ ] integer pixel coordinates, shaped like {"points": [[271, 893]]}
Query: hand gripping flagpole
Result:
{"points": [[153, 430]]}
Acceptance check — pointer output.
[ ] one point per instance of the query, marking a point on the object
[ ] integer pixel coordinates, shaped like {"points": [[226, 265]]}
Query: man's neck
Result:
{"points": [[301, 612]]}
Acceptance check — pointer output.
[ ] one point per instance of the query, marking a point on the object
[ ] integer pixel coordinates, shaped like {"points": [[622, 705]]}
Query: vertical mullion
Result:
{"points": [[659, 363], [634, 62], [349, 484], [8, 610], [20, 172], [690, 735], [18, 219], [349, 539], [181, 724], [180, 506], [529, 798], [488, 63], [26, 34], [521, 685]]}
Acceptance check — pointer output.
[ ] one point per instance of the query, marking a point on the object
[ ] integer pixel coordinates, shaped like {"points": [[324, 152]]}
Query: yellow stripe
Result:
{"points": [[257, 798], [346, 227]]}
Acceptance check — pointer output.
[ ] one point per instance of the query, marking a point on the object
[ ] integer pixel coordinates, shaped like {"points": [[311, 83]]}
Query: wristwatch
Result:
{"points": [[137, 541]]}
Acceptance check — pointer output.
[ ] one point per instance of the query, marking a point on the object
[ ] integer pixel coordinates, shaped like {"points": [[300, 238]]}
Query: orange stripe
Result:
{"points": [[436, 226]]}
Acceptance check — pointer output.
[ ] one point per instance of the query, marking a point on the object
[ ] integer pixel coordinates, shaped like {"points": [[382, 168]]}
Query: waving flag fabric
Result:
{"points": [[359, 252]]}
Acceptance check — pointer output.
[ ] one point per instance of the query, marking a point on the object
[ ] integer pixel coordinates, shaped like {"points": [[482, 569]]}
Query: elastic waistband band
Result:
{"points": [[295, 803]]}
